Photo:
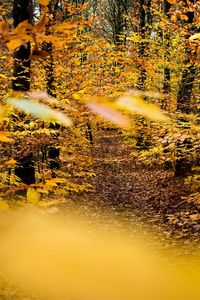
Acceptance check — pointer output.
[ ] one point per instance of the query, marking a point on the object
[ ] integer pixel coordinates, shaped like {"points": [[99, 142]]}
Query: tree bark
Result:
{"points": [[189, 72], [22, 10], [166, 41], [184, 165], [53, 151], [145, 17], [21, 72]]}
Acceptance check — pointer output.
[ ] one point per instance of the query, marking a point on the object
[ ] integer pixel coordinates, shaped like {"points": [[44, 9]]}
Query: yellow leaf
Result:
{"points": [[44, 2], [54, 181], [33, 196], [48, 174], [3, 76], [11, 162], [184, 17], [4, 137], [2, 112], [195, 36], [65, 27], [137, 105], [3, 205], [77, 96], [173, 18]]}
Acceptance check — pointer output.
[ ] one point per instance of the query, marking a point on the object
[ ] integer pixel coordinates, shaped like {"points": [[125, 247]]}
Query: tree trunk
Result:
{"points": [[189, 72], [166, 41], [142, 45], [53, 151], [183, 165], [22, 10]]}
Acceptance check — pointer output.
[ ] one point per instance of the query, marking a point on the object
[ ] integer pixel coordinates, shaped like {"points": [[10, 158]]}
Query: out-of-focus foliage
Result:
{"points": [[72, 258]]}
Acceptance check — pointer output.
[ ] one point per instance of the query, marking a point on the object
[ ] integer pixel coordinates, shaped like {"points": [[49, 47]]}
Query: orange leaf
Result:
{"points": [[40, 26], [3, 27], [173, 18], [4, 137], [11, 162], [13, 44], [44, 2]]}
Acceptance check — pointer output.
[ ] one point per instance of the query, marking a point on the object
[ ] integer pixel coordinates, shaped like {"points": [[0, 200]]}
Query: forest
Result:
{"points": [[99, 149]]}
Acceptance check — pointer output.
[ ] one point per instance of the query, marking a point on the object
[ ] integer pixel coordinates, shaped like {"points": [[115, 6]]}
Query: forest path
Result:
{"points": [[153, 195]]}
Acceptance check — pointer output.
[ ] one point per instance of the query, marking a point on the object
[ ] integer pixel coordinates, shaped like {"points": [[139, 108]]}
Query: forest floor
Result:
{"points": [[134, 192]]}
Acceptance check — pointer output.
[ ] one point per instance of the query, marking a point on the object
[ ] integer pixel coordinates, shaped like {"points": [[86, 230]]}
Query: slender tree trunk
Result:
{"points": [[184, 165], [22, 10], [142, 45], [189, 72], [166, 41], [53, 151]]}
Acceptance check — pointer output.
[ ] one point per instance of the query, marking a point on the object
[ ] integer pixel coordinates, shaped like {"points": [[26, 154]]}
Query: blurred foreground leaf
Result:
{"points": [[137, 105], [109, 112], [41, 111]]}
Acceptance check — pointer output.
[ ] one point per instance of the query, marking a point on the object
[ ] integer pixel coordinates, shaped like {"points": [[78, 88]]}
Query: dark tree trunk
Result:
{"points": [[183, 165], [53, 152], [142, 45], [189, 72], [166, 40], [22, 10], [185, 89], [21, 72]]}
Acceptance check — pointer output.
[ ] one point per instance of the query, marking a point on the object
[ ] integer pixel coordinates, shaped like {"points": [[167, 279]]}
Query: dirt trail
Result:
{"points": [[153, 196]]}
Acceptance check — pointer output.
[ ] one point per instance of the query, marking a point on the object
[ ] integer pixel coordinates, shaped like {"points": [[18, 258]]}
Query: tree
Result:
{"points": [[189, 71], [22, 11], [166, 40]]}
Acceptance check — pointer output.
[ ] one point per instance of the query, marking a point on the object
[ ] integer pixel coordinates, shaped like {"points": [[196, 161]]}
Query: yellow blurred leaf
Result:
{"points": [[173, 18], [3, 76], [137, 105], [195, 36], [48, 174], [3, 205], [33, 196], [54, 181], [4, 137], [2, 112], [65, 27]]}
